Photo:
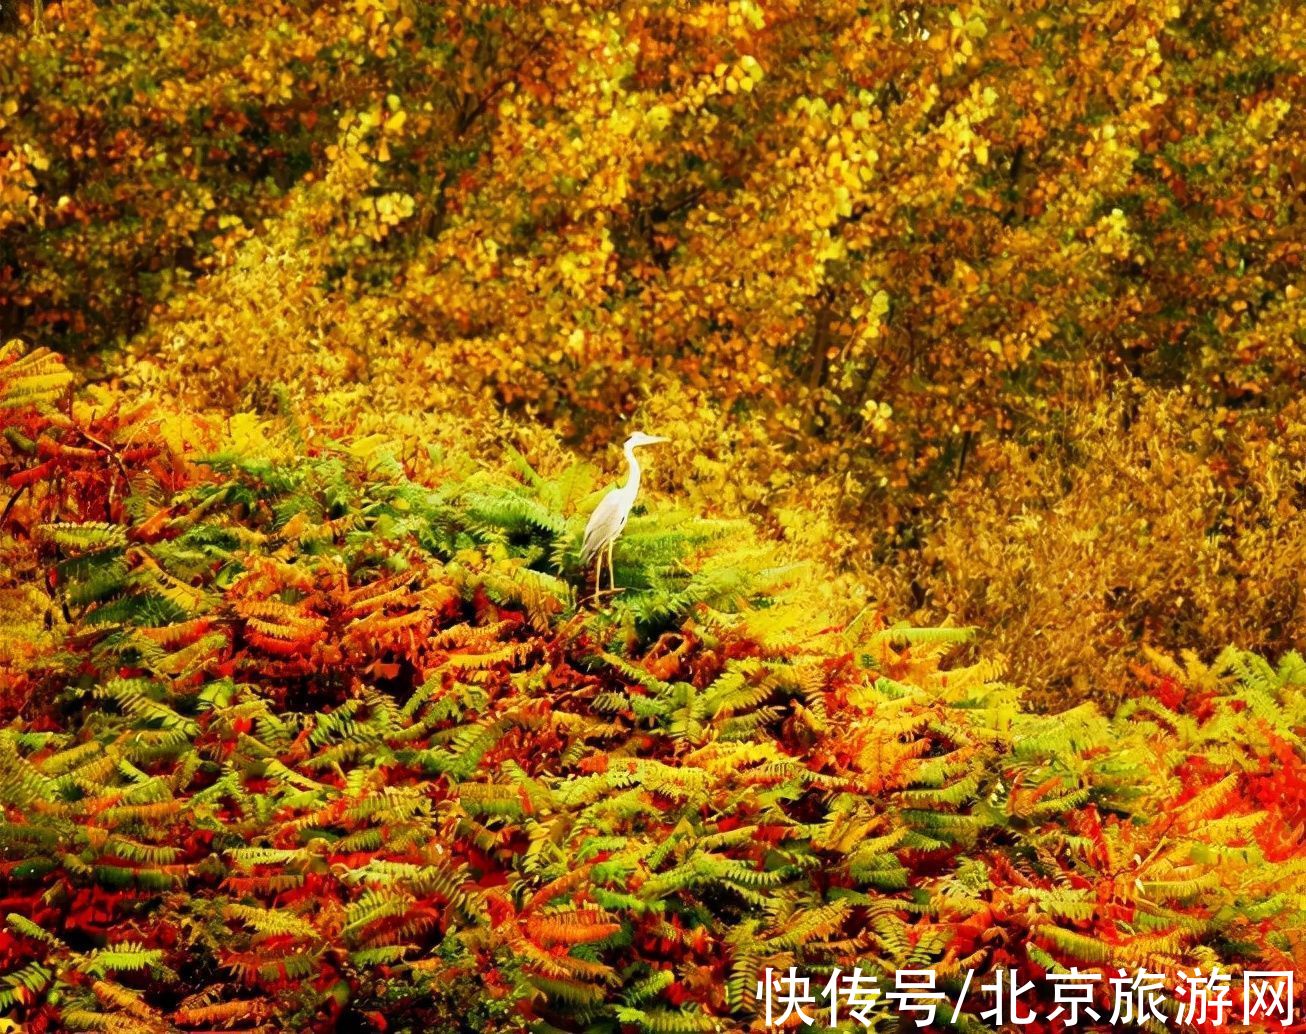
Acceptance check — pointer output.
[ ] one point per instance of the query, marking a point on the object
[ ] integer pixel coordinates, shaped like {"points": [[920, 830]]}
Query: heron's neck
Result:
{"points": [[632, 481]]}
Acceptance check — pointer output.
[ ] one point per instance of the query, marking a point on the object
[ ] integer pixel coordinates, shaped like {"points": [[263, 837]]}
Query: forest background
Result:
{"points": [[999, 308]]}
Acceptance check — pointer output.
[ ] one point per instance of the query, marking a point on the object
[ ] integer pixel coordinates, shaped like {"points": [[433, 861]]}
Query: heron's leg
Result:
{"points": [[612, 579], [598, 572]]}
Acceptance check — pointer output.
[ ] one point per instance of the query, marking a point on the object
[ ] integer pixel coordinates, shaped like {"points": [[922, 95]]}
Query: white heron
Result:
{"points": [[609, 517]]}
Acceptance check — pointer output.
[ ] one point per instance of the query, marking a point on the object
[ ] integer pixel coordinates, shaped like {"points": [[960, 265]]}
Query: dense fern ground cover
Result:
{"points": [[296, 738]]}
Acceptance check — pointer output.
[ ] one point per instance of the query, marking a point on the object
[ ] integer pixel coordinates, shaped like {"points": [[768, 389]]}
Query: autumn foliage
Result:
{"points": [[304, 742], [978, 329], [872, 248]]}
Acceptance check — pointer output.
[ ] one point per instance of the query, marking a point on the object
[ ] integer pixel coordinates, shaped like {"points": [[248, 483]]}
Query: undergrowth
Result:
{"points": [[296, 740]]}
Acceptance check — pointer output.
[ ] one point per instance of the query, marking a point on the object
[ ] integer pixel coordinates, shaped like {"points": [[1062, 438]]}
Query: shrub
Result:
{"points": [[316, 744], [1146, 520]]}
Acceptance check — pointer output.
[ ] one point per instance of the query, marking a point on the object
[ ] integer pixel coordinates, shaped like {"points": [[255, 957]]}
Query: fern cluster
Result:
{"points": [[312, 746]]}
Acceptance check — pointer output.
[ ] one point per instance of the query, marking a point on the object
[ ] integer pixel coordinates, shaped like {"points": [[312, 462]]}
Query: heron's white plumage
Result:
{"points": [[605, 523], [609, 517]]}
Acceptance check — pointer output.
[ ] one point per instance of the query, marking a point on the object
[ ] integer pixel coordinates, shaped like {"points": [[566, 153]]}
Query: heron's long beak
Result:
{"points": [[653, 439]]}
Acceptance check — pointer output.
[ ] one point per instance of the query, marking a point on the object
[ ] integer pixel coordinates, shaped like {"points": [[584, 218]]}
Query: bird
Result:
{"points": [[609, 517]]}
